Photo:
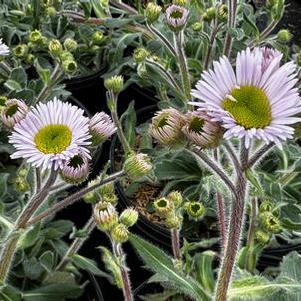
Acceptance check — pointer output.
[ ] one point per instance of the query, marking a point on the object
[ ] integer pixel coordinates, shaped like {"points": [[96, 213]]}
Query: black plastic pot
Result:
{"points": [[144, 227]]}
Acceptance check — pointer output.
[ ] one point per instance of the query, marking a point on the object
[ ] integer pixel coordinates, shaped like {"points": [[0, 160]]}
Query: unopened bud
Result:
{"points": [[209, 14], [20, 51], [13, 112], [70, 67], [270, 223], [114, 83], [284, 35], [70, 44], [176, 198], [163, 206], [137, 166], [152, 12], [105, 216], [55, 47], [35, 36], [120, 233], [173, 221], [195, 210], [129, 217], [97, 37], [140, 54], [262, 237], [197, 26]]}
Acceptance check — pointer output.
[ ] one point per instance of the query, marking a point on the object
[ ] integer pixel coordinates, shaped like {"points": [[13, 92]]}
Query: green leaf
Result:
{"points": [[87, 265], [12, 85], [29, 238], [3, 184], [129, 120], [19, 75], [162, 264], [32, 268], [53, 292], [47, 260]]}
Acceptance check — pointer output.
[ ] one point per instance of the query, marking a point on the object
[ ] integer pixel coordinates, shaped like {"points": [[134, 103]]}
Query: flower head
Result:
{"points": [[166, 126], [129, 217], [120, 233], [101, 128], [259, 101], [137, 166], [195, 210], [4, 50], [105, 216], [201, 130], [75, 170], [13, 112], [51, 134], [152, 12], [176, 17], [114, 83]]}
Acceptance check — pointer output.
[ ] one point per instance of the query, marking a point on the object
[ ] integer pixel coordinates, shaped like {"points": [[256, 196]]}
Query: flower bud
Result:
{"points": [[13, 112], [105, 216], [66, 56], [137, 166], [35, 36], [195, 210], [120, 233], [55, 47], [270, 223], [70, 44], [209, 14], [180, 2], [70, 67], [29, 58], [166, 126], [173, 221], [140, 54], [222, 13], [262, 237], [114, 83], [284, 36], [163, 206], [51, 11], [76, 170], [129, 217], [267, 205], [20, 50], [3, 100], [176, 17], [152, 12], [97, 37], [21, 184], [197, 26], [101, 128], [200, 130], [176, 198]]}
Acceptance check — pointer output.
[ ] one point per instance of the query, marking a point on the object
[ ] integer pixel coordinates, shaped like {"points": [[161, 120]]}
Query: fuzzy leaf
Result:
{"points": [[162, 264]]}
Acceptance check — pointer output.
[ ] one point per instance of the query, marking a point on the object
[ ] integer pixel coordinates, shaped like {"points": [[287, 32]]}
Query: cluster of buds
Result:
{"points": [[108, 220], [170, 126], [101, 128], [176, 17], [13, 111], [169, 208], [137, 166]]}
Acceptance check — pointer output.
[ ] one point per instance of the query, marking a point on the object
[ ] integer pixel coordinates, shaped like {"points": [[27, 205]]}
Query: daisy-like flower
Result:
{"points": [[166, 126], [76, 170], [101, 127], [51, 134], [4, 50], [176, 17], [13, 112], [201, 130], [260, 101]]}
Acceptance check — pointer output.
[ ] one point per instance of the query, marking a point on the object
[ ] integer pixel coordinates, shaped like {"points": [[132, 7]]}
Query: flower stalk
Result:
{"points": [[176, 246]]}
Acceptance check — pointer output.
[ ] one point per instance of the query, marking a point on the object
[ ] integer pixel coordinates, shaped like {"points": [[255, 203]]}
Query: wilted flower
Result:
{"points": [[176, 17], [101, 128], [120, 233], [201, 130], [4, 50], [13, 112], [163, 206], [105, 216], [137, 166], [259, 101], [129, 217], [195, 210], [76, 170], [166, 126], [152, 12], [51, 134]]}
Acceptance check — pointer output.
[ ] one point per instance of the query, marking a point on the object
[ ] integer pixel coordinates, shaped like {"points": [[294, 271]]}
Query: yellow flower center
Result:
{"points": [[53, 139], [249, 106]]}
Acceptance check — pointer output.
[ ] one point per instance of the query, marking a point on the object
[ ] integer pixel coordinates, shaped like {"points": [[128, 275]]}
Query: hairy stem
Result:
{"points": [[252, 226], [126, 287], [77, 243], [182, 61], [260, 154], [123, 6], [10, 246], [74, 197], [232, 8], [176, 246]]}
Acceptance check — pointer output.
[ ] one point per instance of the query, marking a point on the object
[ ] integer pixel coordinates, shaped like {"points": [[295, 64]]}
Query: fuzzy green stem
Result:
{"points": [[235, 229], [176, 246], [77, 244], [252, 226], [126, 282], [9, 248], [182, 61], [74, 198]]}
